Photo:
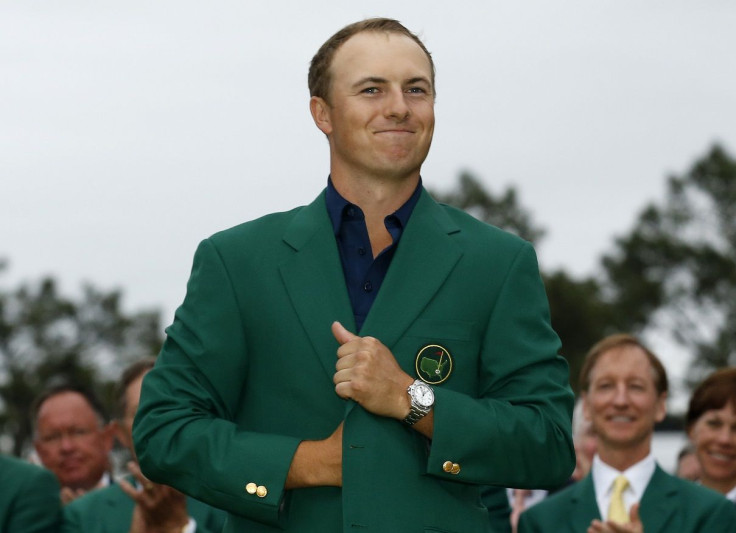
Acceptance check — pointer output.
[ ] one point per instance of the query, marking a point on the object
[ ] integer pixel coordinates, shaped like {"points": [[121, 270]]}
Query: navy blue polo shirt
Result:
{"points": [[363, 274]]}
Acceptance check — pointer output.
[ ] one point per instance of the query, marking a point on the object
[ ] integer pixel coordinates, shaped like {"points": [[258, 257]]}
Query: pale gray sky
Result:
{"points": [[130, 130]]}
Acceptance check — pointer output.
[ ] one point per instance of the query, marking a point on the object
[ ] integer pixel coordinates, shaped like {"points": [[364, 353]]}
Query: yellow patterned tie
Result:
{"points": [[617, 510]]}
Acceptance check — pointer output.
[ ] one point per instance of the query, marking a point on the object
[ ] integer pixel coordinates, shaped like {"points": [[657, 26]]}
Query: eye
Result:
{"points": [[370, 90], [416, 90], [51, 438], [80, 432], [713, 423]]}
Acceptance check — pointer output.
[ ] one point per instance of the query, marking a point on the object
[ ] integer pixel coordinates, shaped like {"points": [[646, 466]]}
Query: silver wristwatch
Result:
{"points": [[422, 400]]}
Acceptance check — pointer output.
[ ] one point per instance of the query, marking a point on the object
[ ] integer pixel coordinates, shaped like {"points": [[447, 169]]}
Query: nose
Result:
{"points": [[67, 442], [726, 435], [621, 395], [396, 105]]}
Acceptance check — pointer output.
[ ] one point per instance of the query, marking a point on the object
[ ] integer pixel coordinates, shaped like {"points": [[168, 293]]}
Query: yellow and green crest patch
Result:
{"points": [[433, 364]]}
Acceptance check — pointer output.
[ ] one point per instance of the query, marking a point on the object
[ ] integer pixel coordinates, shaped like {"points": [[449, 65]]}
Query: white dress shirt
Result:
{"points": [[731, 495], [604, 475]]}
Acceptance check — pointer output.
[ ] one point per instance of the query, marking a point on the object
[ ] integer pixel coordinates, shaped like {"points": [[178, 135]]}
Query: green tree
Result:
{"points": [[580, 315], [676, 270], [46, 337], [503, 211]]}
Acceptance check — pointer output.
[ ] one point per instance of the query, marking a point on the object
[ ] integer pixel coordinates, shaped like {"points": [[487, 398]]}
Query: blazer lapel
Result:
{"points": [[315, 281], [584, 507], [424, 259], [658, 502]]}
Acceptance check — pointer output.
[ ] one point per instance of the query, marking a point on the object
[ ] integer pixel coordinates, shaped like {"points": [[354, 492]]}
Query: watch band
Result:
{"points": [[416, 413]]}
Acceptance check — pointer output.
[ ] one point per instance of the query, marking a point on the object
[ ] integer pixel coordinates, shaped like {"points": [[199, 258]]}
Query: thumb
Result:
{"points": [[634, 514], [341, 334]]}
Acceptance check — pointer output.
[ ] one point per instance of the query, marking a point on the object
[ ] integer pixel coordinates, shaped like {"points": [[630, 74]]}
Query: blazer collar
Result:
{"points": [[657, 504], [316, 284], [425, 256], [659, 501], [584, 505], [314, 279]]}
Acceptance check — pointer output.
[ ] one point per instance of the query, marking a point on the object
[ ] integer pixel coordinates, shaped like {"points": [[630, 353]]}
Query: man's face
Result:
{"points": [[380, 115], [71, 442], [622, 401], [132, 398]]}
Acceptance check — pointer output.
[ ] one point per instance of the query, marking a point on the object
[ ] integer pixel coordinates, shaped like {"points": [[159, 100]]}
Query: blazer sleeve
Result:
{"points": [[517, 431], [184, 431], [37, 507]]}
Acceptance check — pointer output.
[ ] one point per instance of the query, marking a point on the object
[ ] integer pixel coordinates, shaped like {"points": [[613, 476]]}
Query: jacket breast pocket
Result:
{"points": [[443, 353]]}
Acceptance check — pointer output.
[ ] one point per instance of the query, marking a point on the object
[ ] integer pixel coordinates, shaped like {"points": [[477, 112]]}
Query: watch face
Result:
{"points": [[423, 395]]}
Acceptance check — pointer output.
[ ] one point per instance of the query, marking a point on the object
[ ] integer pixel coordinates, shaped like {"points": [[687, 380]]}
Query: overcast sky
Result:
{"points": [[131, 130]]}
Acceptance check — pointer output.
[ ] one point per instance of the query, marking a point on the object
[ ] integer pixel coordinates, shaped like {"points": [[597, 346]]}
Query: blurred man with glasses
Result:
{"points": [[73, 439]]}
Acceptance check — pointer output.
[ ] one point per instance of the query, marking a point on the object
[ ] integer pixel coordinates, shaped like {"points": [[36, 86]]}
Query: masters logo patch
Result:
{"points": [[433, 364]]}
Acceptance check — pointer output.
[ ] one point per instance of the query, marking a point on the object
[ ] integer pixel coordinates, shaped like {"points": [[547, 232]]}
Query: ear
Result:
{"points": [[661, 407], [586, 408], [108, 435], [37, 446], [119, 433], [321, 114]]}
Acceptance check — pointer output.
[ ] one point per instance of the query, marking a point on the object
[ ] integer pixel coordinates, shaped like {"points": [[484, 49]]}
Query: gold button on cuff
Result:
{"points": [[455, 469], [261, 491], [447, 466], [251, 488]]}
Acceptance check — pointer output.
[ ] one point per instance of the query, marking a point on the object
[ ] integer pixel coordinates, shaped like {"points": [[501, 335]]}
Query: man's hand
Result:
{"points": [[368, 373], [158, 508], [635, 526], [69, 494]]}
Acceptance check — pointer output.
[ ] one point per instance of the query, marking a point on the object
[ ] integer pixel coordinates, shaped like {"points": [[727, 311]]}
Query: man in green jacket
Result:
{"points": [[370, 361], [30, 499], [135, 505], [624, 389]]}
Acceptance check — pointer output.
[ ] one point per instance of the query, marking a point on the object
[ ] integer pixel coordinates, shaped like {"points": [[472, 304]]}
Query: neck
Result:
{"points": [[722, 486], [377, 199], [622, 458]]}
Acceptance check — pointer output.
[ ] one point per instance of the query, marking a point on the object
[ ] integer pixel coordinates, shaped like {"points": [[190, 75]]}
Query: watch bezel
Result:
{"points": [[417, 387]]}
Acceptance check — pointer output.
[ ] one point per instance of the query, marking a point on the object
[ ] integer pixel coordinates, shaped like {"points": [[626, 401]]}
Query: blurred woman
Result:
{"points": [[711, 426]]}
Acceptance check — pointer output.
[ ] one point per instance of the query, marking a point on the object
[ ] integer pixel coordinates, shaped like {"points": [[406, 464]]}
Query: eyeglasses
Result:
{"points": [[73, 434]]}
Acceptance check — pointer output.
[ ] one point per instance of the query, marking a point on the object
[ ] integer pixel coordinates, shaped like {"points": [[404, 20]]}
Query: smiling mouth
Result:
{"points": [[394, 131], [621, 418], [721, 456]]}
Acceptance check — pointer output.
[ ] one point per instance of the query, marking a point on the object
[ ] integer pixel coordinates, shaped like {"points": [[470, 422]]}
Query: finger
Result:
{"points": [[344, 390], [129, 489], [344, 362], [68, 495], [134, 469], [341, 334]]}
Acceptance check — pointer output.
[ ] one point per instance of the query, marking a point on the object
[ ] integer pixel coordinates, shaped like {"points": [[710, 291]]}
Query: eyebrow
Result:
{"points": [[418, 79], [370, 79], [378, 80]]}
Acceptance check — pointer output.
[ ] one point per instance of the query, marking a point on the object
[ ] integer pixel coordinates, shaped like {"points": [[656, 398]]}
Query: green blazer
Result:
{"points": [[29, 498], [110, 510], [246, 372], [669, 504]]}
